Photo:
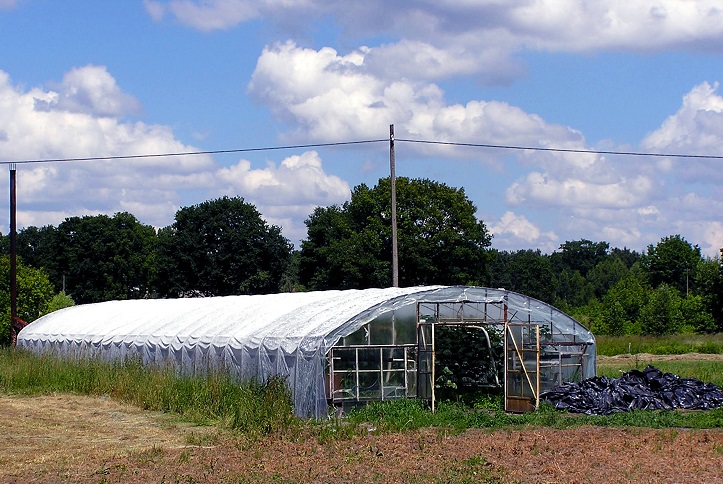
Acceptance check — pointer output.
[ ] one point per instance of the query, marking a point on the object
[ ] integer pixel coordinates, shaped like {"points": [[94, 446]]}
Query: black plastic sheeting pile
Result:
{"points": [[650, 389]]}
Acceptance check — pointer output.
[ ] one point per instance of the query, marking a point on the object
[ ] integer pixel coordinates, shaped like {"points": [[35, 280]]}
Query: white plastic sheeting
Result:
{"points": [[260, 336]]}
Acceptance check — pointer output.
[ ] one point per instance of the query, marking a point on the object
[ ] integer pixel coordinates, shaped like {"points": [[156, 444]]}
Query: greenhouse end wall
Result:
{"points": [[394, 355]]}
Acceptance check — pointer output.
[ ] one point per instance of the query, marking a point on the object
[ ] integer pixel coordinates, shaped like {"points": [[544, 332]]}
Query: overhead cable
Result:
{"points": [[562, 150], [193, 153], [343, 143]]}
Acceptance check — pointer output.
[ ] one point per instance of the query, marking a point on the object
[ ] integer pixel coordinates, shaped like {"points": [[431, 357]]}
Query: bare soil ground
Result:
{"points": [[68, 438]]}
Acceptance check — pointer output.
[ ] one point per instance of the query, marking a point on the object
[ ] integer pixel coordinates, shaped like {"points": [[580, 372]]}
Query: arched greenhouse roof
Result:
{"points": [[257, 336]]}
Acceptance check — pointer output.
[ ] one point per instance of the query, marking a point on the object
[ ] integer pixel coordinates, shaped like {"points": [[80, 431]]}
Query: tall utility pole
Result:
{"points": [[393, 180], [13, 252]]}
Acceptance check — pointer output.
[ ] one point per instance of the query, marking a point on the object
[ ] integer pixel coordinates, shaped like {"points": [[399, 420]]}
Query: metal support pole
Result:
{"points": [[393, 180], [13, 255]]}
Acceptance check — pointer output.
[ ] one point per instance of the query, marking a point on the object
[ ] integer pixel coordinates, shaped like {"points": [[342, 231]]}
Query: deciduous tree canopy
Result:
{"points": [[34, 293], [440, 241], [95, 258], [220, 247], [672, 261]]}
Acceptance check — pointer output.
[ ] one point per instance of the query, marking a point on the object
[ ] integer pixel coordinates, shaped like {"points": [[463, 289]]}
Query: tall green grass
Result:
{"points": [[674, 344], [401, 415], [250, 406], [263, 408]]}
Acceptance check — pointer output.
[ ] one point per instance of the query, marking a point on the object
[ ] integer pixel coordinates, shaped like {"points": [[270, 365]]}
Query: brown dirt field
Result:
{"points": [[67, 438]]}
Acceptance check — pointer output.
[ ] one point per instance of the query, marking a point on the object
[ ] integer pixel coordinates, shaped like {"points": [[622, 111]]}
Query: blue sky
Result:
{"points": [[82, 78]]}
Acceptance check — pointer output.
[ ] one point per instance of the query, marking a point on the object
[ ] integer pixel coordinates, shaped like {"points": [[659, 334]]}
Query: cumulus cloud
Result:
{"points": [[696, 128], [633, 202], [571, 192], [36, 124], [48, 124], [286, 193], [330, 97], [434, 40], [298, 179], [89, 90], [513, 230]]}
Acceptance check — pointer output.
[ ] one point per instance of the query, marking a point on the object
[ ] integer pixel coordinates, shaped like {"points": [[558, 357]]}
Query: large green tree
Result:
{"points": [[440, 240], [709, 288], [579, 255], [528, 272], [673, 261], [34, 294], [606, 274], [622, 306], [38, 248], [662, 314], [100, 258], [220, 247]]}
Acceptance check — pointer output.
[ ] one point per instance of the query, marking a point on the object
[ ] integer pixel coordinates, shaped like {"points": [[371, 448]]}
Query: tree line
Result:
{"points": [[669, 288], [224, 247]]}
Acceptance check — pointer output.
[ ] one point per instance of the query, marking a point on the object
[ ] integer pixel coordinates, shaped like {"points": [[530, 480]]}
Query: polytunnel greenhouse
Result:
{"points": [[334, 348]]}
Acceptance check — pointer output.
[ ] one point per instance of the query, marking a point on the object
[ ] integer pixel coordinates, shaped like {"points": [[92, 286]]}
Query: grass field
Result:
{"points": [[674, 344], [101, 422], [263, 408]]}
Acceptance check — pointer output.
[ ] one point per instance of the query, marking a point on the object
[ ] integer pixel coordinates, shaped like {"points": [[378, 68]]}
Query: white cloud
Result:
{"points": [[696, 128], [298, 179], [636, 201], [89, 90], [156, 10], [420, 59], [570, 25], [433, 40], [288, 193], [152, 189], [513, 230], [34, 128], [331, 97], [538, 188], [710, 235], [517, 226], [8, 4]]}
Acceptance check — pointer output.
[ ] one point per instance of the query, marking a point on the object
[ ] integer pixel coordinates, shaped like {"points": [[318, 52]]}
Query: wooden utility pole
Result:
{"points": [[393, 180], [13, 255]]}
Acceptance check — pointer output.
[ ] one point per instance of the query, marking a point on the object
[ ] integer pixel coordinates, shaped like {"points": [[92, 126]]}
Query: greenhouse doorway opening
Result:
{"points": [[461, 350], [458, 360]]}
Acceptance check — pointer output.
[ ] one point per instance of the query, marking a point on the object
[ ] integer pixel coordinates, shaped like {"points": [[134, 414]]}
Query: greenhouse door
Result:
{"points": [[425, 363], [522, 367]]}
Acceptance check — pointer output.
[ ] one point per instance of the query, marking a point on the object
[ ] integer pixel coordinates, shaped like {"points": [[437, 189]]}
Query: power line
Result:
{"points": [[343, 143], [193, 153], [563, 150]]}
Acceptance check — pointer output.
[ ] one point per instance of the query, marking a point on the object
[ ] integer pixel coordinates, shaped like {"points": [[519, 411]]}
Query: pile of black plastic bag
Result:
{"points": [[650, 389]]}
